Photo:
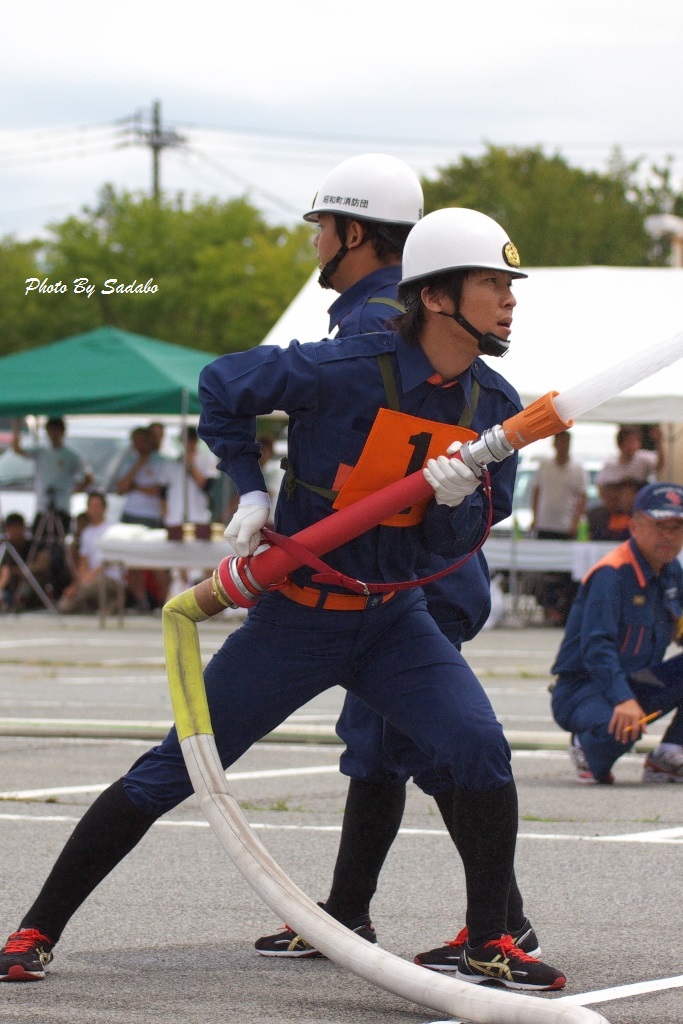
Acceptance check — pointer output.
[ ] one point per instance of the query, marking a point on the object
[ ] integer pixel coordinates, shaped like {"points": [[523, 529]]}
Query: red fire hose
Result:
{"points": [[245, 579]]}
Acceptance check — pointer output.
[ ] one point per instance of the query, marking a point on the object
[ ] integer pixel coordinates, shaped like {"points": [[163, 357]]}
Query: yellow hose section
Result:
{"points": [[184, 665]]}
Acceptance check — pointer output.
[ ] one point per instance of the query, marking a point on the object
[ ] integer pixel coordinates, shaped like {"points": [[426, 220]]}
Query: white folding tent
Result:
{"points": [[305, 318], [570, 322]]}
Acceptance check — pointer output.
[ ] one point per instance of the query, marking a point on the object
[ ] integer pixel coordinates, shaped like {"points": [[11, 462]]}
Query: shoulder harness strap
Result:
{"points": [[386, 369], [391, 395]]}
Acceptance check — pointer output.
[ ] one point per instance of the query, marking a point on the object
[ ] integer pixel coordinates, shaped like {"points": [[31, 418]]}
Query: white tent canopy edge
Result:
{"points": [[570, 323]]}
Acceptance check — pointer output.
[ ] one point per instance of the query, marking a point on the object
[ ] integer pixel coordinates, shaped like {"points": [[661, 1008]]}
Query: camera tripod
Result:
{"points": [[7, 548]]}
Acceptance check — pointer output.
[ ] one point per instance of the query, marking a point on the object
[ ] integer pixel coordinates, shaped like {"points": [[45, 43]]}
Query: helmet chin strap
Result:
{"points": [[330, 268], [324, 280], [489, 344]]}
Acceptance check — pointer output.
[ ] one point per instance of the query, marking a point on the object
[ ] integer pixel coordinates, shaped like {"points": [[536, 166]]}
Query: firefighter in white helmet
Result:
{"points": [[365, 208], [438, 255], [362, 411], [459, 603]]}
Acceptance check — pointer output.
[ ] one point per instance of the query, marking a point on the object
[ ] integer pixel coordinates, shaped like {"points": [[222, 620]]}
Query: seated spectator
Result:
{"points": [[610, 672], [558, 501], [610, 519], [16, 592], [633, 461], [80, 523], [83, 594]]}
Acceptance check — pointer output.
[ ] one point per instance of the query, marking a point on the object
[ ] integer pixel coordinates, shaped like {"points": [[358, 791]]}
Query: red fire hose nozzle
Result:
{"points": [[243, 580]]}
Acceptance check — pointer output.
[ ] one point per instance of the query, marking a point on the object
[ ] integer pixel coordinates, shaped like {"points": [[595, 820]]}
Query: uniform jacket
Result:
{"points": [[356, 311], [622, 620], [461, 601], [332, 391]]}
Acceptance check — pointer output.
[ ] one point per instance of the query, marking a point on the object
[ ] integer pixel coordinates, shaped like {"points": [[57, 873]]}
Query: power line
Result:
{"points": [[404, 141], [156, 137], [278, 200]]}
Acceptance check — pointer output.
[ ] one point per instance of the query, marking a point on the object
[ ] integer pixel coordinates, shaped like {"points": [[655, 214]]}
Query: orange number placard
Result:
{"points": [[397, 446]]}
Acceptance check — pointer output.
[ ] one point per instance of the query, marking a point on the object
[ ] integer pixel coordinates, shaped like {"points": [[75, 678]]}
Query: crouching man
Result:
{"points": [[610, 672]]}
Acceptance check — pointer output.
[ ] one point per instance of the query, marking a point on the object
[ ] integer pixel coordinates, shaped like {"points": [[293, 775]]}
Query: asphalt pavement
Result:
{"points": [[169, 934]]}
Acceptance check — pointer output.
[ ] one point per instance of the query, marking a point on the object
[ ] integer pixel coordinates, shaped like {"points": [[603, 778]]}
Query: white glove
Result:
{"points": [[451, 479], [244, 529]]}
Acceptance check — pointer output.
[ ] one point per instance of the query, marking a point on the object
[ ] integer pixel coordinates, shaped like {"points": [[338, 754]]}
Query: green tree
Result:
{"points": [[222, 275], [560, 215]]}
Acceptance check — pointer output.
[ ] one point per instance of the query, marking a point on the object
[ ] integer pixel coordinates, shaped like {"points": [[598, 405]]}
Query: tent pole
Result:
{"points": [[184, 406]]}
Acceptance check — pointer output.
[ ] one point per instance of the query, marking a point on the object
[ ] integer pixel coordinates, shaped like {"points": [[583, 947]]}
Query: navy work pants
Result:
{"points": [[583, 709], [392, 656]]}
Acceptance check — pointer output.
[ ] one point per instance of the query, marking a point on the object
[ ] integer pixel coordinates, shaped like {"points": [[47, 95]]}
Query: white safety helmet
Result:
{"points": [[458, 239], [371, 187]]}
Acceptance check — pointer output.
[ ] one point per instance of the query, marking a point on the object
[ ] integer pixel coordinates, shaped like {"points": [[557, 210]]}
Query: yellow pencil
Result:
{"points": [[644, 721]]}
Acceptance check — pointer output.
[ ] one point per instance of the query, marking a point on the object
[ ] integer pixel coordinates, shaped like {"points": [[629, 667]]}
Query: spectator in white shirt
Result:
{"points": [[558, 499], [559, 496], [633, 461], [83, 594], [143, 479]]}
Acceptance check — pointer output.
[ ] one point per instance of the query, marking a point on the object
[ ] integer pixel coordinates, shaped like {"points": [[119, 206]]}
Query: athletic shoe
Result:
{"points": [[25, 956], [288, 943], [587, 778], [505, 963], [447, 958], [665, 766], [583, 772], [577, 756]]}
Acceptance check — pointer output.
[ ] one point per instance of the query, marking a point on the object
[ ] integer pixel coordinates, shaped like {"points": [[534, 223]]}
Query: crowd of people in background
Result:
{"points": [[174, 493], [55, 559]]}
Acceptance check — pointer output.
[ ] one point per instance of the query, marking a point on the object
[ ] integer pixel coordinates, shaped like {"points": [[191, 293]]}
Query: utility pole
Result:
{"points": [[157, 139]]}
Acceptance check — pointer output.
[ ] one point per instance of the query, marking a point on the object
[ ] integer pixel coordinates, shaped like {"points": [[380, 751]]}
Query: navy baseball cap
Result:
{"points": [[661, 501]]}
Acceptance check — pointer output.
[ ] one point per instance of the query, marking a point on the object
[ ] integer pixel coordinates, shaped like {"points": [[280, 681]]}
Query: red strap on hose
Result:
{"points": [[306, 557], [327, 576]]}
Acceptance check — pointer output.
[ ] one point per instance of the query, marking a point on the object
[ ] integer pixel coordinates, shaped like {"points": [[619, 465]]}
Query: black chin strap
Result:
{"points": [[489, 344], [324, 280]]}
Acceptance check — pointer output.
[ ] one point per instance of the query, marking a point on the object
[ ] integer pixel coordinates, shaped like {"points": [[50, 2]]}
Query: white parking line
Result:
{"points": [[660, 837], [667, 835], [68, 641], [269, 773], [623, 991]]}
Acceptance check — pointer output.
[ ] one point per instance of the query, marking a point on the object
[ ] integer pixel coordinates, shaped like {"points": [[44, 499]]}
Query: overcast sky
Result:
{"points": [[270, 95]]}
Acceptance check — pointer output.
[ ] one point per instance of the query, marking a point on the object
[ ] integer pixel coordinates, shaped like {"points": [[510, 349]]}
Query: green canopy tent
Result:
{"points": [[103, 371]]}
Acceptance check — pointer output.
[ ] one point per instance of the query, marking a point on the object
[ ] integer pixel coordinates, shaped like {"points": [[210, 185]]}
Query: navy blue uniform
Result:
{"points": [[459, 603], [617, 633], [391, 655]]}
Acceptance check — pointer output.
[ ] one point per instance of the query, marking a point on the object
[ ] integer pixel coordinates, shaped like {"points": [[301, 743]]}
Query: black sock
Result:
{"points": [[108, 830], [372, 817], [484, 829], [515, 914]]}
